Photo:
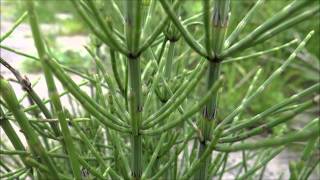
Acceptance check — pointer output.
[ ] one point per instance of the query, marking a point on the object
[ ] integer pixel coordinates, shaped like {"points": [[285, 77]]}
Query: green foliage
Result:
{"points": [[30, 66], [175, 88]]}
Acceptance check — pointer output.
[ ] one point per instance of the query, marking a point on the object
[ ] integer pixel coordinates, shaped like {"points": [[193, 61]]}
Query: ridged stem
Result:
{"points": [[11, 100], [207, 28], [91, 106], [288, 24], [219, 27], [194, 109], [116, 72], [183, 30], [34, 98], [133, 31], [136, 114], [15, 25], [268, 125], [53, 93], [11, 134], [306, 133], [267, 25], [220, 21], [275, 74], [156, 31], [254, 120], [106, 36], [207, 121], [168, 67], [242, 24]]}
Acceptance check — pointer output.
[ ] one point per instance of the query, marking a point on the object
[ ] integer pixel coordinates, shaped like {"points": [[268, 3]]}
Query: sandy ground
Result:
{"points": [[21, 40]]}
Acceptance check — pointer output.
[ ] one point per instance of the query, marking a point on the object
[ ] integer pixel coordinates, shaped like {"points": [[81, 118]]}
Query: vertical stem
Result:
{"points": [[168, 69], [133, 30], [220, 22], [11, 134], [54, 95], [135, 111], [172, 35], [219, 28], [167, 73], [207, 121], [206, 22]]}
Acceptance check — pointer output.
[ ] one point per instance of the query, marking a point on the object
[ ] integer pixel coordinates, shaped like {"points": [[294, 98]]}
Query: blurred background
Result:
{"points": [[66, 36]]}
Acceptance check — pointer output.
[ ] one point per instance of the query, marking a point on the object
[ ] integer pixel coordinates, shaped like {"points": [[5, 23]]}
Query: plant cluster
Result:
{"points": [[157, 115]]}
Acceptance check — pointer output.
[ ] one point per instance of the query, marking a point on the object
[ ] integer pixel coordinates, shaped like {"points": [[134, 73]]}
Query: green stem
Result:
{"points": [[10, 98], [260, 53], [157, 31], [133, 30], [136, 114], [220, 21], [219, 27], [256, 118], [37, 59], [206, 122], [183, 30], [307, 133], [268, 125], [116, 74], [168, 69], [242, 24], [53, 90], [26, 86], [11, 134], [15, 25], [14, 174], [91, 106], [275, 74], [261, 164], [207, 29], [267, 25], [186, 115], [288, 24], [108, 38], [176, 99]]}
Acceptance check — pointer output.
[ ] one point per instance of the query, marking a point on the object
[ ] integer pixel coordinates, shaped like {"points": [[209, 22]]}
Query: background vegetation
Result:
{"points": [[302, 72]]}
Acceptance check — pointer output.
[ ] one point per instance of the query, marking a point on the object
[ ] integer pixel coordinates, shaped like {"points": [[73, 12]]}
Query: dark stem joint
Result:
{"points": [[134, 56], [129, 21], [172, 39], [202, 142], [220, 20], [136, 175], [140, 108], [207, 115], [214, 59], [163, 101], [25, 84]]}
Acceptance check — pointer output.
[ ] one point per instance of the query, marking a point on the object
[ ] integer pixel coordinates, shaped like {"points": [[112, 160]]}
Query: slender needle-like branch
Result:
{"points": [[15, 25], [184, 32]]}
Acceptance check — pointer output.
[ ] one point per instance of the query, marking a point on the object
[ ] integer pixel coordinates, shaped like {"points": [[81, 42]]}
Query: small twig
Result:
{"points": [[23, 81]]}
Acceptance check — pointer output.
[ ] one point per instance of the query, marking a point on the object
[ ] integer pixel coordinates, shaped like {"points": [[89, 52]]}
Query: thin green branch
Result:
{"points": [[267, 25], [242, 24], [15, 25], [184, 32], [308, 133], [260, 53], [10, 98]]}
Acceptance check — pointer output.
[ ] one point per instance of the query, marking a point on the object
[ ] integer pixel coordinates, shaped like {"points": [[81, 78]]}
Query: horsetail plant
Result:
{"points": [[159, 111]]}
